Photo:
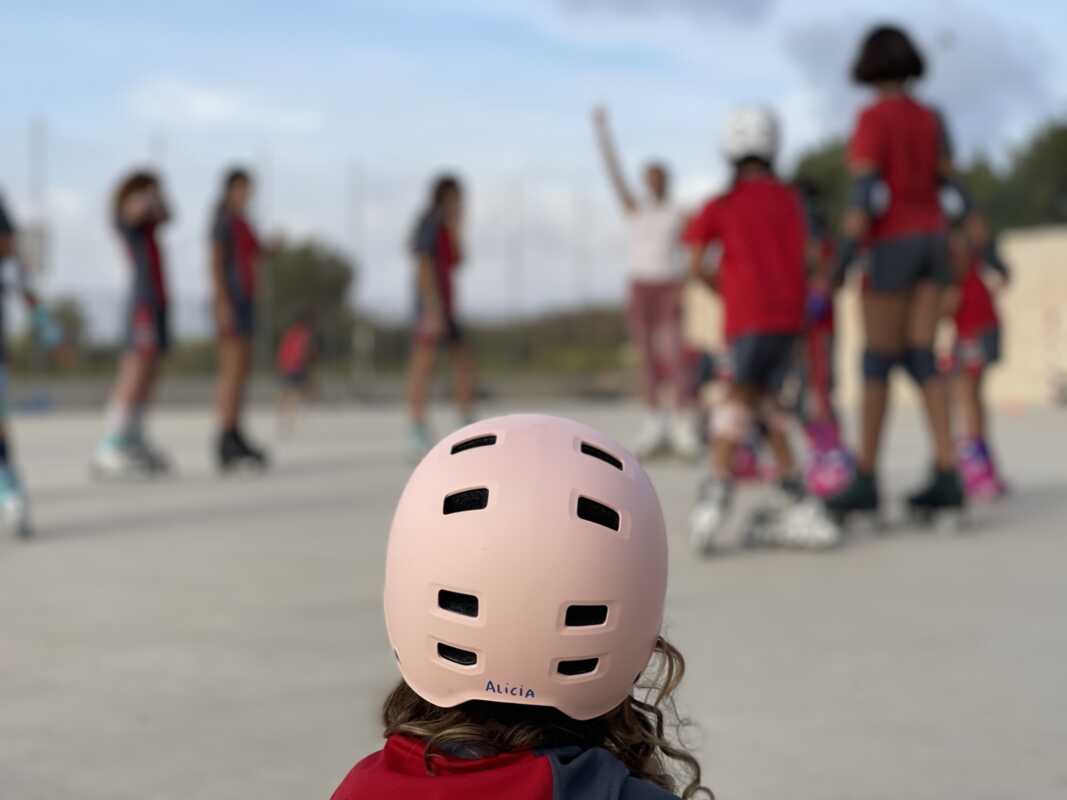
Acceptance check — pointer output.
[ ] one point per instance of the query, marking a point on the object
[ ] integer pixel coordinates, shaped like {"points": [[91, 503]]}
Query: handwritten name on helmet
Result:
{"points": [[511, 691]]}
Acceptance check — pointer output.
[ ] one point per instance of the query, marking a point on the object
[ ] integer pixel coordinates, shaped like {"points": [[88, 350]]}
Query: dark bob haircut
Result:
{"points": [[443, 185], [887, 56]]}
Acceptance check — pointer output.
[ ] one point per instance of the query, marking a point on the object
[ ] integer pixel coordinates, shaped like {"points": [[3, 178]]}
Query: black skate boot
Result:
{"points": [[234, 451], [860, 496], [944, 493]]}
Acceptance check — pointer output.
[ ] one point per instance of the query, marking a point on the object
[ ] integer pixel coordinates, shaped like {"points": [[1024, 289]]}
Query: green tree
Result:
{"points": [[825, 168], [308, 277], [1037, 184]]}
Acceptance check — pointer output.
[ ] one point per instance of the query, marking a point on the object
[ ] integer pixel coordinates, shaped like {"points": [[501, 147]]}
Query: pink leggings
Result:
{"points": [[654, 317]]}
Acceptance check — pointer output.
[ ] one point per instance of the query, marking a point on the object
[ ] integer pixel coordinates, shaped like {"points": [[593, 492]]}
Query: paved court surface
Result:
{"points": [[206, 639]]}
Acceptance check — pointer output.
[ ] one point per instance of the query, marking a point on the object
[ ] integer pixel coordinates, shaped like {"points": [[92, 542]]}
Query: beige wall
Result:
{"points": [[1034, 310]]}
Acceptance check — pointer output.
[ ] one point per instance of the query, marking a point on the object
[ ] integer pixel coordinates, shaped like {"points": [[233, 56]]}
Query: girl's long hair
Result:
{"points": [[136, 181], [233, 176], [635, 731]]}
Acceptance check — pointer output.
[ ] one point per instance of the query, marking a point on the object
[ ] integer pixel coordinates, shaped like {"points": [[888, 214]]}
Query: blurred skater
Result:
{"points": [[235, 254], [654, 311], [14, 505], [139, 212], [977, 348], [830, 464], [899, 157], [759, 223], [437, 248], [296, 359]]}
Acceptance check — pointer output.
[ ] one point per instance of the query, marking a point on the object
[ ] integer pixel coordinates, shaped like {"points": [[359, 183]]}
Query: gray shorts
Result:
{"points": [[974, 353], [898, 264], [762, 360]]}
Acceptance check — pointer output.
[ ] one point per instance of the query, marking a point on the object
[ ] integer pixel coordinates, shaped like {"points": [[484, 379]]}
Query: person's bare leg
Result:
{"points": [[419, 371], [464, 378], [738, 400], [924, 316], [884, 319], [228, 389]]}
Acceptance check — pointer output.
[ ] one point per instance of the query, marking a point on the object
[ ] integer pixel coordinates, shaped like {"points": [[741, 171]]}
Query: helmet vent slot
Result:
{"points": [[592, 511], [596, 452], [465, 658], [470, 500], [457, 603], [579, 666], [586, 616], [477, 441]]}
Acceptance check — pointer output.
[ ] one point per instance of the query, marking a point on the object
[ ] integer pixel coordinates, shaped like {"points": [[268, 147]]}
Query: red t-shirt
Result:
{"points": [[399, 773], [434, 240], [295, 349], [976, 312], [905, 141], [760, 224]]}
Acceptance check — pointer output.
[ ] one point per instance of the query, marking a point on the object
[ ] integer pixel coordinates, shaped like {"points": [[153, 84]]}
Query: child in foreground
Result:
{"points": [[524, 589]]}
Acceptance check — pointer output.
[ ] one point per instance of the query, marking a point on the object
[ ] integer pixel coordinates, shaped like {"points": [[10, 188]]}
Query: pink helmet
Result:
{"points": [[527, 563]]}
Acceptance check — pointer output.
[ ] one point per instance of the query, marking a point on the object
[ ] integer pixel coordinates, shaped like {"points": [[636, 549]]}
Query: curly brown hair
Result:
{"points": [[634, 731]]}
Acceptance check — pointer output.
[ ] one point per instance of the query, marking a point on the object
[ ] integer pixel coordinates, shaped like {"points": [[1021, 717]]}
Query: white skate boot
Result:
{"points": [[115, 459], [684, 439], [652, 437], [14, 505], [803, 525], [709, 515]]}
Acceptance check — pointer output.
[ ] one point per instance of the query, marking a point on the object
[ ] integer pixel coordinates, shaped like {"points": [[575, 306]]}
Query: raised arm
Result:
{"points": [[611, 160]]}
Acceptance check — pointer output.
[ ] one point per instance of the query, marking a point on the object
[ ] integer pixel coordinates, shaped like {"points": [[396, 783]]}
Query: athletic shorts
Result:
{"points": [[762, 360], [243, 315], [297, 379], [147, 328], [975, 353], [451, 333], [898, 264]]}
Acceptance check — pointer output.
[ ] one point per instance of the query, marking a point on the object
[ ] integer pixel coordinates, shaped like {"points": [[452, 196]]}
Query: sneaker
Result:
{"points": [[709, 515]]}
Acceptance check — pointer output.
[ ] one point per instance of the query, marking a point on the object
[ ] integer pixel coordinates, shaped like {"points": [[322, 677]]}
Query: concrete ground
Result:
{"points": [[207, 639]]}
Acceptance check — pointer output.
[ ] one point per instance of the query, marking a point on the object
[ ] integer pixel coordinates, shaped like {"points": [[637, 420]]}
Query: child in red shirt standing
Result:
{"points": [[900, 157], [523, 615], [760, 224], [977, 348]]}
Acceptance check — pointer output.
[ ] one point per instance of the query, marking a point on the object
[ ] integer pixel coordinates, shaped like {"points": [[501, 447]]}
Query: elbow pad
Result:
{"points": [[956, 202], [870, 194]]}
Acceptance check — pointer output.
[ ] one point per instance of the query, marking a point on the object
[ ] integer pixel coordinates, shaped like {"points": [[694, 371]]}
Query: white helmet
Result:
{"points": [[750, 132]]}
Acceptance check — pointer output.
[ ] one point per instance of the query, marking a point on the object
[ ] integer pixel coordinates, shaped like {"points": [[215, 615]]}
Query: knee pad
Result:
{"points": [[731, 421], [877, 365], [921, 364]]}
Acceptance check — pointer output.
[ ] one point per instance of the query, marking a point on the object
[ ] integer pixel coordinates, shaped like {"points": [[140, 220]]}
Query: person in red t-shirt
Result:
{"points": [[525, 621], [977, 347], [296, 357], [899, 157], [437, 247], [235, 253], [760, 225], [140, 210]]}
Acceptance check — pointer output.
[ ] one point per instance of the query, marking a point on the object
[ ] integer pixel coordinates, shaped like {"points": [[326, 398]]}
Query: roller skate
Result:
{"points": [[652, 438], [422, 441], [980, 479], [684, 437], [859, 496], [118, 458], [709, 515], [14, 505], [235, 452], [801, 524], [141, 449], [943, 494], [831, 465]]}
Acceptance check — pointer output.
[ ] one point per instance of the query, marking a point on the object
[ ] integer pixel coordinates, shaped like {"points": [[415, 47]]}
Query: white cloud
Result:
{"points": [[173, 101]]}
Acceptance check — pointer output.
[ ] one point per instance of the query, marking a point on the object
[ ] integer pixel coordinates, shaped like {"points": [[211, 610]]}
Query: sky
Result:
{"points": [[345, 110]]}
